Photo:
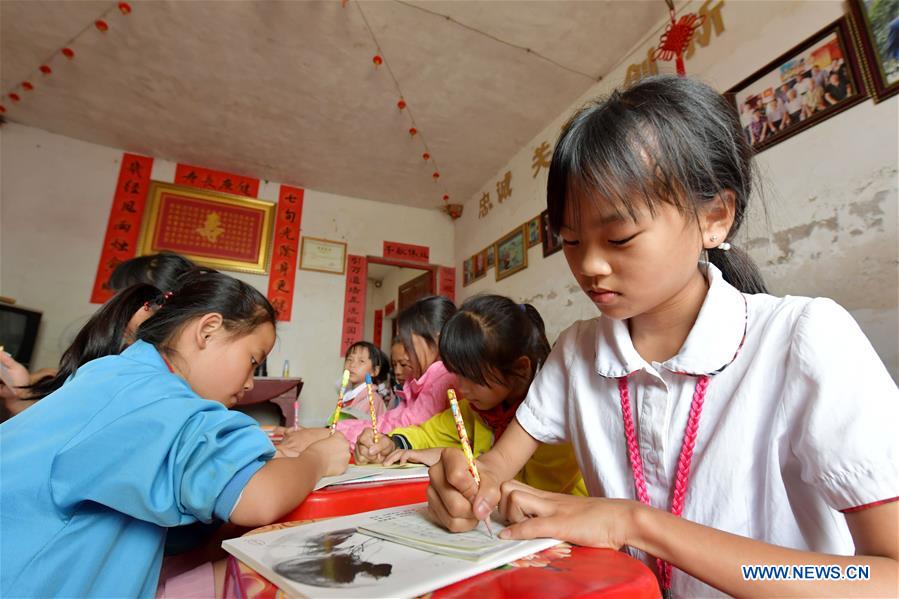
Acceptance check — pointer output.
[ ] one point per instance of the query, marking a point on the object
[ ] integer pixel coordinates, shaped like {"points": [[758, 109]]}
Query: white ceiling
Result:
{"points": [[287, 91]]}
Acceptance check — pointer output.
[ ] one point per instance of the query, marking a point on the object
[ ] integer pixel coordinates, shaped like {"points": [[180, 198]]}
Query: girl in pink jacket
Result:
{"points": [[419, 328]]}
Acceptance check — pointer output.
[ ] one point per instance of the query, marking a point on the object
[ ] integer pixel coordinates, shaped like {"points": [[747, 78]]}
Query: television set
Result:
{"points": [[18, 331]]}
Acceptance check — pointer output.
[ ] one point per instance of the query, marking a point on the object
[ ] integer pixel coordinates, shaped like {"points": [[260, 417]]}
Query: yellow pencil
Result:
{"points": [[343, 385], [371, 409], [466, 445]]}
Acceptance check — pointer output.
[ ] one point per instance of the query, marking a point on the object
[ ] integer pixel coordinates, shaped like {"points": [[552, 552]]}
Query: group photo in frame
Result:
{"points": [[811, 82], [323, 255], [876, 24], [511, 252], [210, 228]]}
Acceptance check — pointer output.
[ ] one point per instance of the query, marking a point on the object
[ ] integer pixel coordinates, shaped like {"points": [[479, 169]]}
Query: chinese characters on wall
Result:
{"points": [[282, 278], [354, 302]]}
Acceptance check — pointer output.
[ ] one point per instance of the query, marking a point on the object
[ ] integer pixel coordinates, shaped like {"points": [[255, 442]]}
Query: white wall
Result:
{"points": [[56, 193], [830, 194]]}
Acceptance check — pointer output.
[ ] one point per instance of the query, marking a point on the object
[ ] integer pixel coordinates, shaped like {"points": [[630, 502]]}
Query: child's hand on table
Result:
{"points": [[453, 491], [296, 442], [369, 452], [428, 457], [333, 451]]}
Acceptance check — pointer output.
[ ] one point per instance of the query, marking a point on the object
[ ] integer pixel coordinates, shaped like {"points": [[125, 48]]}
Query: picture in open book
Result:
{"points": [[334, 558]]}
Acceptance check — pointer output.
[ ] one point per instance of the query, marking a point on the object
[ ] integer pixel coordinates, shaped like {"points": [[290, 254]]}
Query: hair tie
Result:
{"points": [[725, 247], [147, 306], [523, 309]]}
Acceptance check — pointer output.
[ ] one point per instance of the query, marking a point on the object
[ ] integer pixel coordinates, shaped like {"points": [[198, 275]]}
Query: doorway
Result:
{"points": [[398, 283]]}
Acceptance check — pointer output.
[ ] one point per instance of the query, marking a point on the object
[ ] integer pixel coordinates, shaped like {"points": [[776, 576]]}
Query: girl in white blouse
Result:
{"points": [[717, 427]]}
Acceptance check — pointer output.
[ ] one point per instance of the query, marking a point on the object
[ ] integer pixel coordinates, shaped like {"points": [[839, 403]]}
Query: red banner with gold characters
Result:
{"points": [[205, 178], [406, 251], [354, 302], [447, 282], [379, 327], [284, 255], [123, 228]]}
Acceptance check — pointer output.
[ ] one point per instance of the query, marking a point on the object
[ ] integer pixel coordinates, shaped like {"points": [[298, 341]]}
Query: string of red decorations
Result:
{"points": [[676, 37], [379, 60], [101, 24]]}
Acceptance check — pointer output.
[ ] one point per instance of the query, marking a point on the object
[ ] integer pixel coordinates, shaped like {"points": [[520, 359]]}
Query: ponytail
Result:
{"points": [[488, 335], [738, 269], [102, 335]]}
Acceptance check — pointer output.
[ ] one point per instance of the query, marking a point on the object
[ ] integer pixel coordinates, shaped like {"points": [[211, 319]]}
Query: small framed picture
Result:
{"points": [[467, 272], [534, 236], [552, 243], [479, 265], [491, 257], [511, 252], [877, 24], [807, 84], [323, 255]]}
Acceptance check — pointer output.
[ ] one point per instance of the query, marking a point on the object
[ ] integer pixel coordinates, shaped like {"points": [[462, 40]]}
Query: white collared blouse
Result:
{"points": [[798, 423]]}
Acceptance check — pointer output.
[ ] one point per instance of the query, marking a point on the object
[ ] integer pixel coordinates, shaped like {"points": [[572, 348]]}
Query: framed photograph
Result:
{"points": [[491, 257], [219, 230], [876, 25], [479, 265], [534, 236], [511, 252], [552, 243], [809, 83], [323, 255], [467, 272]]}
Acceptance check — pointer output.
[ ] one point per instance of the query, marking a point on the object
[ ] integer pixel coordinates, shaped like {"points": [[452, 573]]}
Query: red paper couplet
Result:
{"points": [[390, 308], [354, 302], [283, 273], [447, 282], [379, 327], [405, 251], [205, 178], [123, 228]]}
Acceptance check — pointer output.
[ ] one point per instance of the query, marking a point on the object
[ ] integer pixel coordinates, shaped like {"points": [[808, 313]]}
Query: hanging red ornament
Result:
{"points": [[101, 25], [124, 8], [14, 97], [676, 38], [68, 53], [377, 60], [436, 175], [413, 131], [45, 69], [401, 104], [425, 156], [27, 86], [2, 108], [445, 198]]}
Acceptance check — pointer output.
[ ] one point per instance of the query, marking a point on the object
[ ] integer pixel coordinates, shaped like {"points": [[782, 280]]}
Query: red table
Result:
{"points": [[345, 500]]}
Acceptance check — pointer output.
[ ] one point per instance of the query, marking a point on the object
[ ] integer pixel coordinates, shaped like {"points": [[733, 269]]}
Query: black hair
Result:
{"points": [[160, 270], [102, 335], [378, 359], [424, 318], [488, 334], [666, 138], [203, 291]]}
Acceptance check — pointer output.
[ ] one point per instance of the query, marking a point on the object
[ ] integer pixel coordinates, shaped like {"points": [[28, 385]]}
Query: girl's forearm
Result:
{"points": [[277, 488], [717, 558]]}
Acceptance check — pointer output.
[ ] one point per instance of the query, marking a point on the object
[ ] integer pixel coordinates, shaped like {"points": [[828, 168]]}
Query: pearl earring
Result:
{"points": [[713, 238]]}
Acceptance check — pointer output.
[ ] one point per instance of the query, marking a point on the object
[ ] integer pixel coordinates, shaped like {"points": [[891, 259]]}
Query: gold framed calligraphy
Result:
{"points": [[214, 229]]}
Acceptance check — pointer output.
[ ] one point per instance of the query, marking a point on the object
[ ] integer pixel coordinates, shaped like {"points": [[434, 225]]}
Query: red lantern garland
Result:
{"points": [[445, 198], [2, 109], [401, 104], [14, 97], [413, 131], [68, 53], [377, 60], [101, 25], [436, 175], [45, 69], [26, 85], [425, 156], [124, 8]]}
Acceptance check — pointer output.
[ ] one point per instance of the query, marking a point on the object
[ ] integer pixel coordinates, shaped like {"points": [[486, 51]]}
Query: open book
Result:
{"points": [[372, 473], [338, 558]]}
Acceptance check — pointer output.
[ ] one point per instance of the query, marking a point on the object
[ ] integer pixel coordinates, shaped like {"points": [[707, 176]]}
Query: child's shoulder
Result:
{"points": [[798, 314]]}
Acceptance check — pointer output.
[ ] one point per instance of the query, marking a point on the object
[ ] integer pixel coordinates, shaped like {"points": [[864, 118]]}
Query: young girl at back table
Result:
{"points": [[494, 346], [364, 358], [419, 327], [767, 424], [137, 442]]}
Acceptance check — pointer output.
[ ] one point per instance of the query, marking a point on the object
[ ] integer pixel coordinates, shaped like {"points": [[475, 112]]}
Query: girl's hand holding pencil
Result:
{"points": [[372, 451], [455, 499]]}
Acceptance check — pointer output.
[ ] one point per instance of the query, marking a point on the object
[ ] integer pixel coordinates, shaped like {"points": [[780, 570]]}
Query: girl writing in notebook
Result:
{"points": [[419, 327], [141, 441], [716, 426], [494, 346]]}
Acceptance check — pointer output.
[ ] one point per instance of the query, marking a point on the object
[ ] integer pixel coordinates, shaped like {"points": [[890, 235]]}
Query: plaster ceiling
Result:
{"points": [[287, 91]]}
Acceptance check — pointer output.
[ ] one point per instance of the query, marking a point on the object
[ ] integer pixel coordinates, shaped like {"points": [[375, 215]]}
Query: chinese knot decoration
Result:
{"points": [[677, 36]]}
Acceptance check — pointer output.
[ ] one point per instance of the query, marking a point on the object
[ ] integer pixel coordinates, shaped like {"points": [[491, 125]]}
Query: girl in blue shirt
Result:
{"points": [[138, 442]]}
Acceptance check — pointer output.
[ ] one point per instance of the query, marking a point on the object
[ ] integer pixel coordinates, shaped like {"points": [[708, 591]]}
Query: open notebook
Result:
{"points": [[340, 557], [372, 473]]}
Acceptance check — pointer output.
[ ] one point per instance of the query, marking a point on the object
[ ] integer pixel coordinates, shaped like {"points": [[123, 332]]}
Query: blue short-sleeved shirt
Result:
{"points": [[94, 473]]}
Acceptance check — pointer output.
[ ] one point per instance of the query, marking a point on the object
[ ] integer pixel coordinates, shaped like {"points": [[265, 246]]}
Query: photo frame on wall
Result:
{"points": [[467, 268], [479, 265], [813, 81], [210, 228], [534, 236], [511, 252], [323, 255], [876, 27], [552, 243]]}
